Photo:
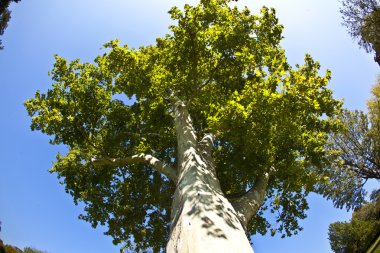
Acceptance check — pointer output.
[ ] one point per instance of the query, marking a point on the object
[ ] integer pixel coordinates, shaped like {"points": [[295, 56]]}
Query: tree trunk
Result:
{"points": [[202, 219]]}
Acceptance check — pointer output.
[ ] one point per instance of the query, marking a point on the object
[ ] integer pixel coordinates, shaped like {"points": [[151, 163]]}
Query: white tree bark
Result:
{"points": [[141, 158], [248, 204], [203, 220]]}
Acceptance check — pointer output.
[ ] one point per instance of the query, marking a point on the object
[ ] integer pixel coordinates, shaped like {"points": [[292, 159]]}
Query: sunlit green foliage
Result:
{"points": [[374, 117], [229, 68]]}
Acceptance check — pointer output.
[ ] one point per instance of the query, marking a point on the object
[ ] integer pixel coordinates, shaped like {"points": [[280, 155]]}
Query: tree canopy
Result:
{"points": [[227, 66], [5, 16], [362, 19], [356, 153], [358, 234], [12, 249], [358, 145]]}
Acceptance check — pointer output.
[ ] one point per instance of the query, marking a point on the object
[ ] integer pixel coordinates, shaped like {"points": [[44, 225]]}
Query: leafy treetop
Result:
{"points": [[362, 19], [358, 152], [228, 67], [358, 234]]}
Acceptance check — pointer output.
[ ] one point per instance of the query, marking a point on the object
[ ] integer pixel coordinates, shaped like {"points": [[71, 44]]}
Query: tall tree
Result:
{"points": [[358, 144], [357, 153], [362, 19], [358, 234], [32, 250], [217, 128], [12, 249], [374, 117], [2, 247], [5, 16]]}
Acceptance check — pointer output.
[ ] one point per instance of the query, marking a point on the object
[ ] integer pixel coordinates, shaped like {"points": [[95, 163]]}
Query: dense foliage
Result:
{"points": [[358, 234], [32, 250], [228, 66], [13, 249], [362, 19]]}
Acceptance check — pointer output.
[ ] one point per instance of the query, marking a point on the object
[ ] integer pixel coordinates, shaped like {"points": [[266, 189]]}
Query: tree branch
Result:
{"points": [[363, 171], [206, 143], [232, 196], [247, 204], [141, 158]]}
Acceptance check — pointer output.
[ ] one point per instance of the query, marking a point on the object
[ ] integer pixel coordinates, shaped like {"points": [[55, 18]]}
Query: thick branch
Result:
{"points": [[362, 170], [141, 158], [249, 203]]}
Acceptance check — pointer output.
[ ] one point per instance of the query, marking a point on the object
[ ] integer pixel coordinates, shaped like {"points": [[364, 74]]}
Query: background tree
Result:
{"points": [[32, 250], [12, 249], [2, 249], [357, 156], [362, 19], [5, 16], [374, 117], [217, 128], [358, 234], [358, 144]]}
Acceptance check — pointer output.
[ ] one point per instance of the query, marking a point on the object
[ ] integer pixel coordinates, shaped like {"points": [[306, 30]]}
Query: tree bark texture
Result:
{"points": [[202, 218]]}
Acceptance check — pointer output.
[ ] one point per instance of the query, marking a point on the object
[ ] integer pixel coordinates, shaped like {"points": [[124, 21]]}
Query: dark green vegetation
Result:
{"points": [[358, 234], [5, 16], [362, 19], [12, 249], [32, 250], [271, 123]]}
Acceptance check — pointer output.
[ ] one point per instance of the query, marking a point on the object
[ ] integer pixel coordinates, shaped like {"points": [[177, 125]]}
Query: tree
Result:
{"points": [[356, 156], [12, 249], [32, 250], [374, 117], [358, 145], [362, 19], [5, 16], [358, 234], [217, 129], [2, 249]]}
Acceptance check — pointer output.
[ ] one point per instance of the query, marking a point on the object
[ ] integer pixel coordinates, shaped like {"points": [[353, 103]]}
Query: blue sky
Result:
{"points": [[34, 209]]}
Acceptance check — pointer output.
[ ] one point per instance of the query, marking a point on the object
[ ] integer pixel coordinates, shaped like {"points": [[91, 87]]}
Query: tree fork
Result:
{"points": [[249, 203]]}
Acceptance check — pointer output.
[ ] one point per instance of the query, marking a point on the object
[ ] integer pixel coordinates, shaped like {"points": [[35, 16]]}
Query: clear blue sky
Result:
{"points": [[34, 209]]}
